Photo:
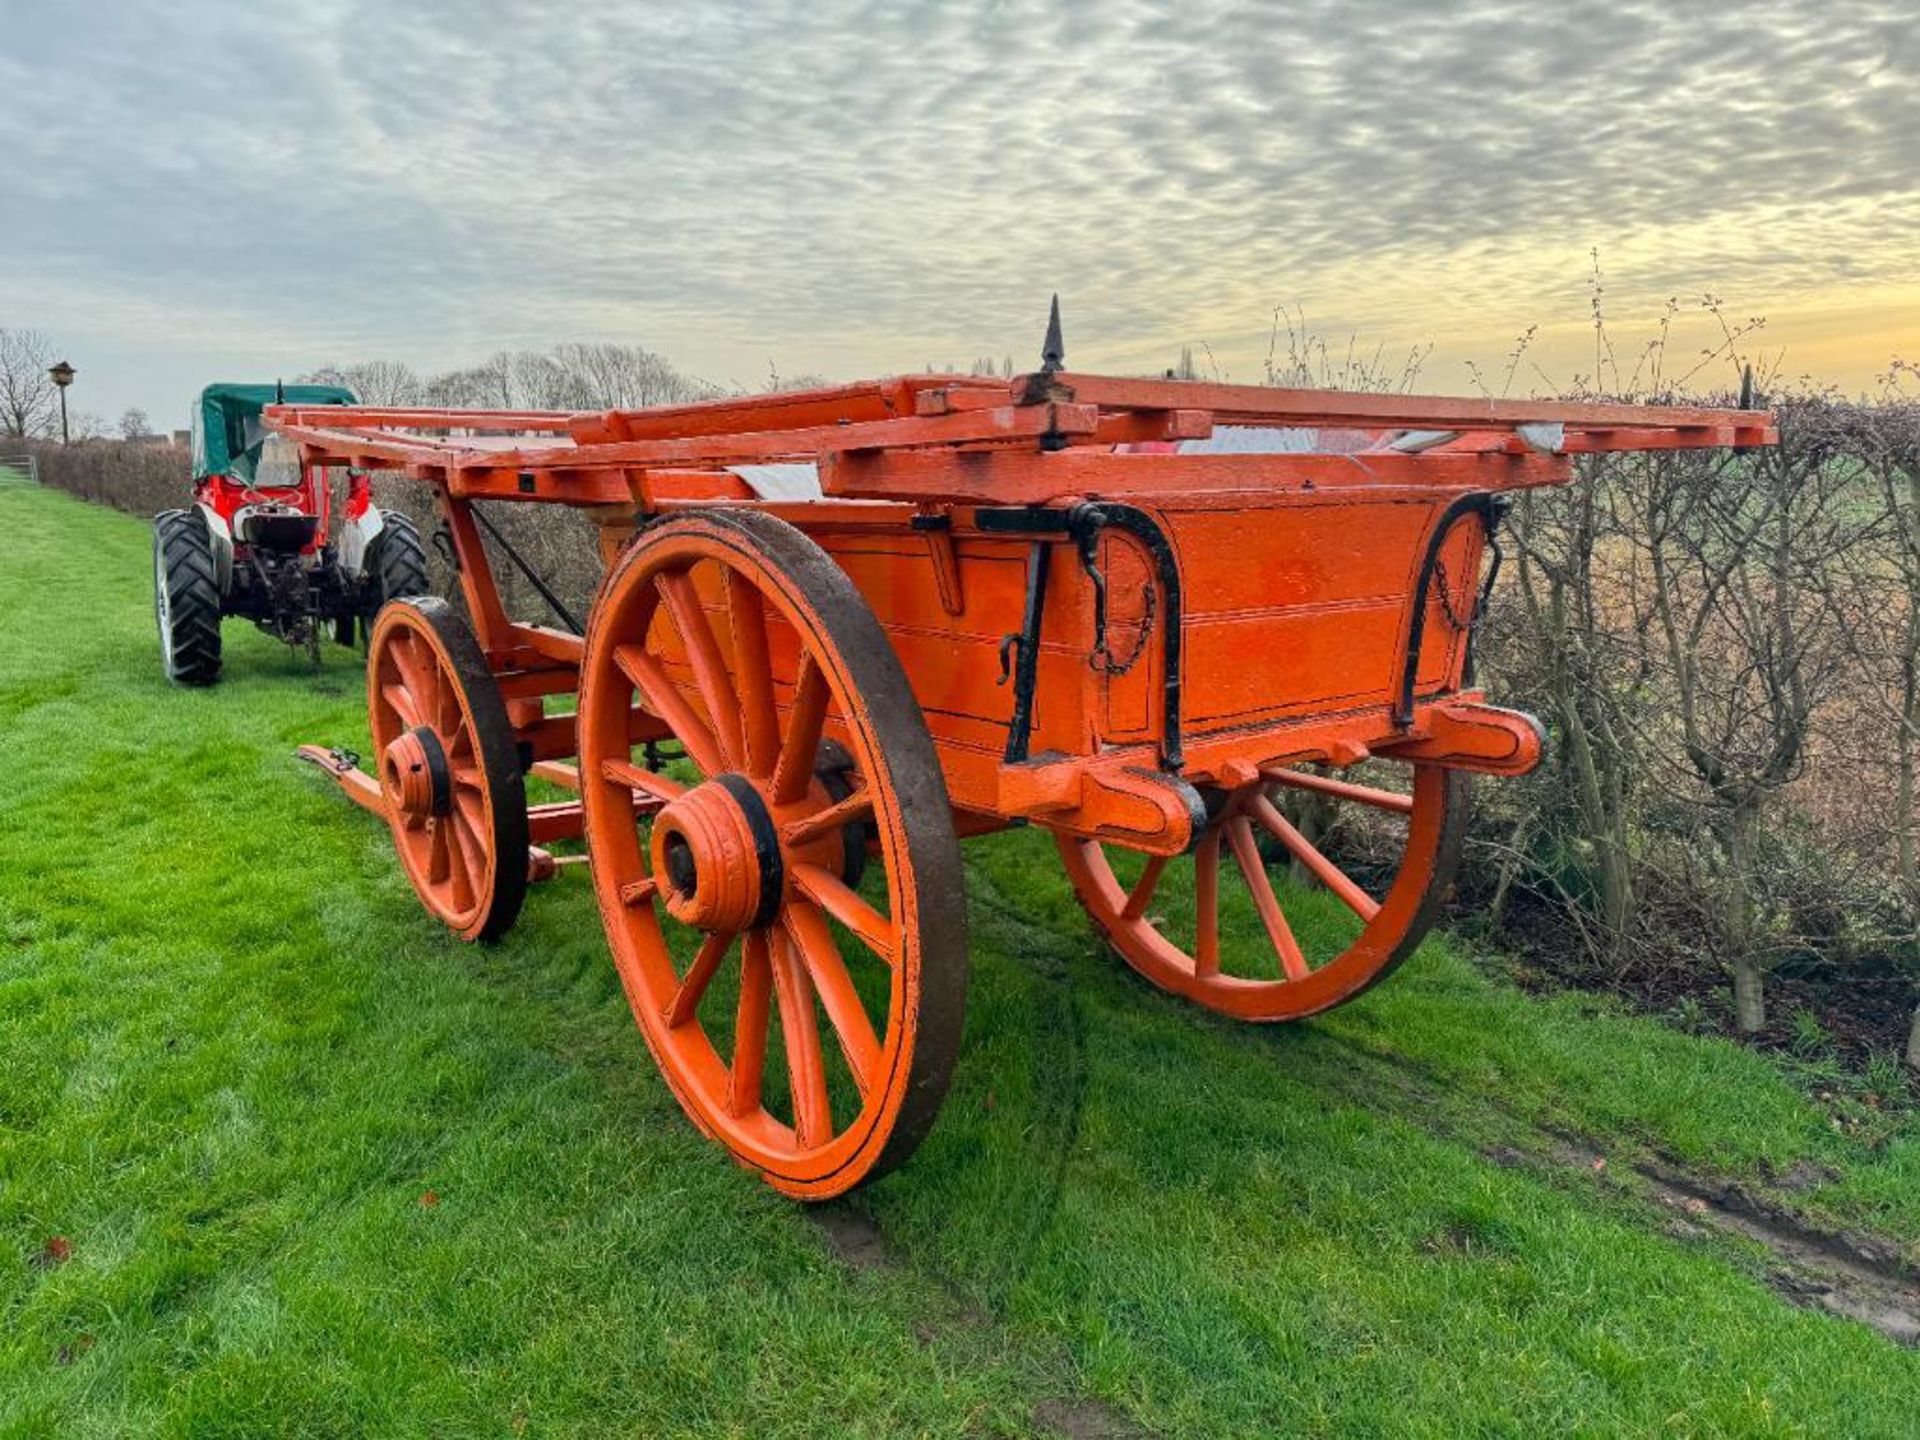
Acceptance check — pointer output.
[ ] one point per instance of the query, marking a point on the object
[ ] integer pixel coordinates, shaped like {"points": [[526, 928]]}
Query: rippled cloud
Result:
{"points": [[857, 186]]}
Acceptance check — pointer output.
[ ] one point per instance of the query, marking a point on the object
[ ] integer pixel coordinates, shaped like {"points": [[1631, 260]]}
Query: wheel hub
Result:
{"points": [[414, 773], [717, 856]]}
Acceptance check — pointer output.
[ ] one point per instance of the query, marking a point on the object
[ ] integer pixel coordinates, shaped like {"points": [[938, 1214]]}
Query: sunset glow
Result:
{"points": [[211, 190]]}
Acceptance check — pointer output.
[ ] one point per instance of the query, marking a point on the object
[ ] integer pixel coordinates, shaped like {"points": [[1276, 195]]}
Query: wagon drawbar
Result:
{"points": [[1193, 630]]}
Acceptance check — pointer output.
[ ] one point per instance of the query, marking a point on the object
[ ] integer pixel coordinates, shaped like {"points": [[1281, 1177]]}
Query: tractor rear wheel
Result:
{"points": [[449, 767], [186, 597], [395, 567]]}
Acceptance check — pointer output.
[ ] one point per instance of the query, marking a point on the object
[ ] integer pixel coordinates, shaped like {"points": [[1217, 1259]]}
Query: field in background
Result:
{"points": [[278, 1156]]}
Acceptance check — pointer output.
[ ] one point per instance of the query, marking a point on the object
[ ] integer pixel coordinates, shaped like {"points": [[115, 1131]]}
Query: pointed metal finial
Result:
{"points": [[279, 392], [1053, 351], [1746, 403]]}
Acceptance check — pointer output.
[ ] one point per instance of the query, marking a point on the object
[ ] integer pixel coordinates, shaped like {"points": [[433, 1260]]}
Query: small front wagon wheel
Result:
{"points": [[448, 766], [805, 1011], [1215, 927]]}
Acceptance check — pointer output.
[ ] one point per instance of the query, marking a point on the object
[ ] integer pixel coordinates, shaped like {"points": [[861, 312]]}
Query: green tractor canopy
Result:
{"points": [[227, 433]]}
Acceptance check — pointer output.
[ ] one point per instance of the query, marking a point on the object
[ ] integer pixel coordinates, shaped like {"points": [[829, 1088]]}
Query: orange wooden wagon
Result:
{"points": [[840, 627]]}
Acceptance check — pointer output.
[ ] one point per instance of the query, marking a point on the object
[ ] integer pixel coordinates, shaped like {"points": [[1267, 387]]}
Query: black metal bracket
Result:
{"points": [[1490, 508], [1026, 657], [1082, 523]]}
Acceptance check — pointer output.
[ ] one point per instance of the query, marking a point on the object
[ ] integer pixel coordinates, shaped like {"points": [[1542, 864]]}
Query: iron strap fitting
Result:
{"points": [[1082, 522], [1489, 509]]}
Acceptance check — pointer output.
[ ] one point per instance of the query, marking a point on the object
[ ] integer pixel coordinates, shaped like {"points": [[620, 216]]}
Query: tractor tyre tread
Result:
{"points": [[400, 559], [187, 598]]}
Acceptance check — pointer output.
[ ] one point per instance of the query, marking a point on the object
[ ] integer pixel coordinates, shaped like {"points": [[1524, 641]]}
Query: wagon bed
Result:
{"points": [[1202, 633]]}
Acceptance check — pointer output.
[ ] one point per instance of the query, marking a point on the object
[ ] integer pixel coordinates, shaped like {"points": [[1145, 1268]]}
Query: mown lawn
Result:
{"points": [[277, 1156]]}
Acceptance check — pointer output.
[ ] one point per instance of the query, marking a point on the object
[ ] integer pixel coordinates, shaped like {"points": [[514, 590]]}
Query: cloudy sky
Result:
{"points": [[198, 190]]}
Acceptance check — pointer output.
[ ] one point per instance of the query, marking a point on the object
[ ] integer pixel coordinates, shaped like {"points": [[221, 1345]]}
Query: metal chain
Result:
{"points": [[1102, 659], [1446, 598], [1477, 600]]}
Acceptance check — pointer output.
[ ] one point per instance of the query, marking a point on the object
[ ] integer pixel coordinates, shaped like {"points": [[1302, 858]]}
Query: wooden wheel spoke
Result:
{"points": [[1342, 789], [830, 893], [416, 680], [467, 859], [472, 809], [753, 669], [1141, 895], [710, 675], [665, 700], [1206, 906], [650, 783], [459, 740], [400, 700], [439, 856], [1246, 855], [807, 929], [706, 964], [806, 1069], [794, 771], [1324, 870], [448, 717], [854, 809], [431, 695], [750, 1025]]}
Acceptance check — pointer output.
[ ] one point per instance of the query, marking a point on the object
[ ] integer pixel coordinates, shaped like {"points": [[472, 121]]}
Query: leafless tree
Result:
{"points": [[28, 399], [134, 424], [487, 386], [1884, 639], [1572, 652], [373, 382], [1734, 602]]}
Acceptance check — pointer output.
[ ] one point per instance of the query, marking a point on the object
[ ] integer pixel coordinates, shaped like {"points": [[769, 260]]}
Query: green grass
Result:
{"points": [[235, 1056]]}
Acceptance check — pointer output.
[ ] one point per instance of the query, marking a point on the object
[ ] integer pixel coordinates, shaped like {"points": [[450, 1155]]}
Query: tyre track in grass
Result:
{"points": [[1849, 1272], [1852, 1272], [961, 1330], [952, 1322]]}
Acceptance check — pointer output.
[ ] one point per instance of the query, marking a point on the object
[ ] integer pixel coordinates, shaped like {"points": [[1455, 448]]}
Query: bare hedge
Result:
{"points": [[142, 479]]}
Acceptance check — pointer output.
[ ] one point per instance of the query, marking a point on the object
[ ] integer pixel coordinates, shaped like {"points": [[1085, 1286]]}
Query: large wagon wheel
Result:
{"points": [[449, 767], [1171, 933], [809, 1026]]}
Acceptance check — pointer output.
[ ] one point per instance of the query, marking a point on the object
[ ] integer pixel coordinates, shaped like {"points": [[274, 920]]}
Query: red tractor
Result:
{"points": [[260, 539]]}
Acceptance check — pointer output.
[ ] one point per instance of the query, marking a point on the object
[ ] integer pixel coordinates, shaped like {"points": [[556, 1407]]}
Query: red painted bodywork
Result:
{"points": [[227, 496]]}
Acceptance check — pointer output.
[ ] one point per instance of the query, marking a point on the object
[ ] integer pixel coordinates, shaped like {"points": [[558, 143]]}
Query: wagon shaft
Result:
{"points": [[1216, 638]]}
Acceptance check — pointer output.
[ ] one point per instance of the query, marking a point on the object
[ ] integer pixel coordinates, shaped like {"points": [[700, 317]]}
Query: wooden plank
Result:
{"points": [[1271, 405], [864, 401], [975, 427], [392, 417], [611, 486], [1015, 477]]}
